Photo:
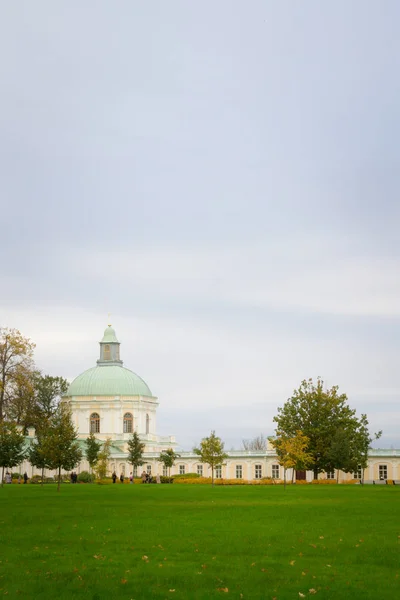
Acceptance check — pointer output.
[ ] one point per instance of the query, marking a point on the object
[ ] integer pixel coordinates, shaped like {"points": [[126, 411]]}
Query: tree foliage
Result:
{"points": [[168, 458], [211, 452], [135, 450], [48, 393], [12, 446], [60, 445], [102, 459], [292, 451], [319, 414], [16, 373], [92, 450]]}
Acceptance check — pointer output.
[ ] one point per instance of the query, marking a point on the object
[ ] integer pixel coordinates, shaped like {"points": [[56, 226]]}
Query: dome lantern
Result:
{"points": [[109, 349]]}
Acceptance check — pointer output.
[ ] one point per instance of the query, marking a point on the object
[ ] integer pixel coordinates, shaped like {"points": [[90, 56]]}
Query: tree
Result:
{"points": [[12, 446], [16, 368], [135, 451], [259, 443], [37, 451], [318, 413], [168, 458], [48, 393], [211, 452], [292, 452], [92, 450], [102, 459], [60, 445]]}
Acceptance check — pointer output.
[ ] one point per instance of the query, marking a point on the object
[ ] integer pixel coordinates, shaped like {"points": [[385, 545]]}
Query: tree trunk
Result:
{"points": [[212, 476], [315, 473], [2, 476], [42, 475], [337, 476], [59, 479], [284, 479], [293, 473]]}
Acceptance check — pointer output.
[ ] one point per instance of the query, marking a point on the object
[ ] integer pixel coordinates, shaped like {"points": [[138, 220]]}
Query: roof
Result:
{"points": [[108, 380]]}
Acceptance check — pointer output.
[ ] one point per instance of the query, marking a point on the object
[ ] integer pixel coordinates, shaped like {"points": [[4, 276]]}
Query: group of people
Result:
{"points": [[8, 477], [148, 478], [73, 477]]}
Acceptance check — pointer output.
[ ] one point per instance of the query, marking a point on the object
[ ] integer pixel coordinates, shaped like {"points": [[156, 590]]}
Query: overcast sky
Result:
{"points": [[223, 177]]}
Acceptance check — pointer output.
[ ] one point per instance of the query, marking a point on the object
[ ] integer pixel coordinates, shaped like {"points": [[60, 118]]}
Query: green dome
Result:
{"points": [[108, 380]]}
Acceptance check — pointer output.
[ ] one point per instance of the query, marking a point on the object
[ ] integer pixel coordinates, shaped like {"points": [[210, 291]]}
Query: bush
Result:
{"points": [[186, 476], [85, 477], [163, 479], [16, 475]]}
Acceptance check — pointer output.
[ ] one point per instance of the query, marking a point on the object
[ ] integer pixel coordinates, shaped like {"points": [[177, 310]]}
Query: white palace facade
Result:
{"points": [[112, 402]]}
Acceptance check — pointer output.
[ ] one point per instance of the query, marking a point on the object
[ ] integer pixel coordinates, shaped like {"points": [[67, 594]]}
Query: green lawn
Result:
{"points": [[188, 541]]}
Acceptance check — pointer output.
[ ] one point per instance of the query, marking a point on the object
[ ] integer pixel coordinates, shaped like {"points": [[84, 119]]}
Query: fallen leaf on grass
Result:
{"points": [[302, 595], [171, 590], [124, 581], [292, 562], [328, 565], [302, 573], [223, 590], [145, 557], [321, 537], [312, 591], [313, 545]]}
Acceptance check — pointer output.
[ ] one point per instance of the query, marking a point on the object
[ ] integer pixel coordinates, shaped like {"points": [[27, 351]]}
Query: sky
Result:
{"points": [[223, 178]]}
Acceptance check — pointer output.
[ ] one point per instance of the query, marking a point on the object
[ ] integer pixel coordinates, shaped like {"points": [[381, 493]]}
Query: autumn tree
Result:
{"points": [[60, 446], [168, 458], [259, 443], [211, 452], [16, 371], [292, 452], [92, 450], [135, 451], [102, 459], [12, 446], [319, 413]]}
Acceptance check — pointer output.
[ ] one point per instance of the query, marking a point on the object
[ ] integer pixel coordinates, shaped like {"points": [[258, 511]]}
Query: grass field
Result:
{"points": [[166, 541]]}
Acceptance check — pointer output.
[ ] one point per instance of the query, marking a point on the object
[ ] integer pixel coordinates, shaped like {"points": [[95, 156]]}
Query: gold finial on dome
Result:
{"points": [[109, 315]]}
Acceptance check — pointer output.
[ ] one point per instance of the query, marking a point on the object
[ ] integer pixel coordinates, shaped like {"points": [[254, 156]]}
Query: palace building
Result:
{"points": [[112, 402]]}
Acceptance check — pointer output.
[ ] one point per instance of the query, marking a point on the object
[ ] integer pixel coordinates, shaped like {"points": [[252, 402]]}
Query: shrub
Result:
{"points": [[85, 477], [16, 475], [186, 476]]}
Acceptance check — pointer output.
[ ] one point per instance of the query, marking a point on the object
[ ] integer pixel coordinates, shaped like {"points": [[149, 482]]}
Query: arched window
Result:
{"points": [[94, 423], [128, 423], [147, 424], [107, 352]]}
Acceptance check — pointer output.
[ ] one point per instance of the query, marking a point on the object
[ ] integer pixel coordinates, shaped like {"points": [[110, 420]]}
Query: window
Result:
{"points": [[257, 471], [330, 474], [382, 472], [181, 469], [134, 473], [147, 424], [200, 470], [239, 472], [107, 352], [149, 469], [128, 423], [165, 471], [123, 469], [358, 473], [94, 423], [275, 471], [218, 472]]}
